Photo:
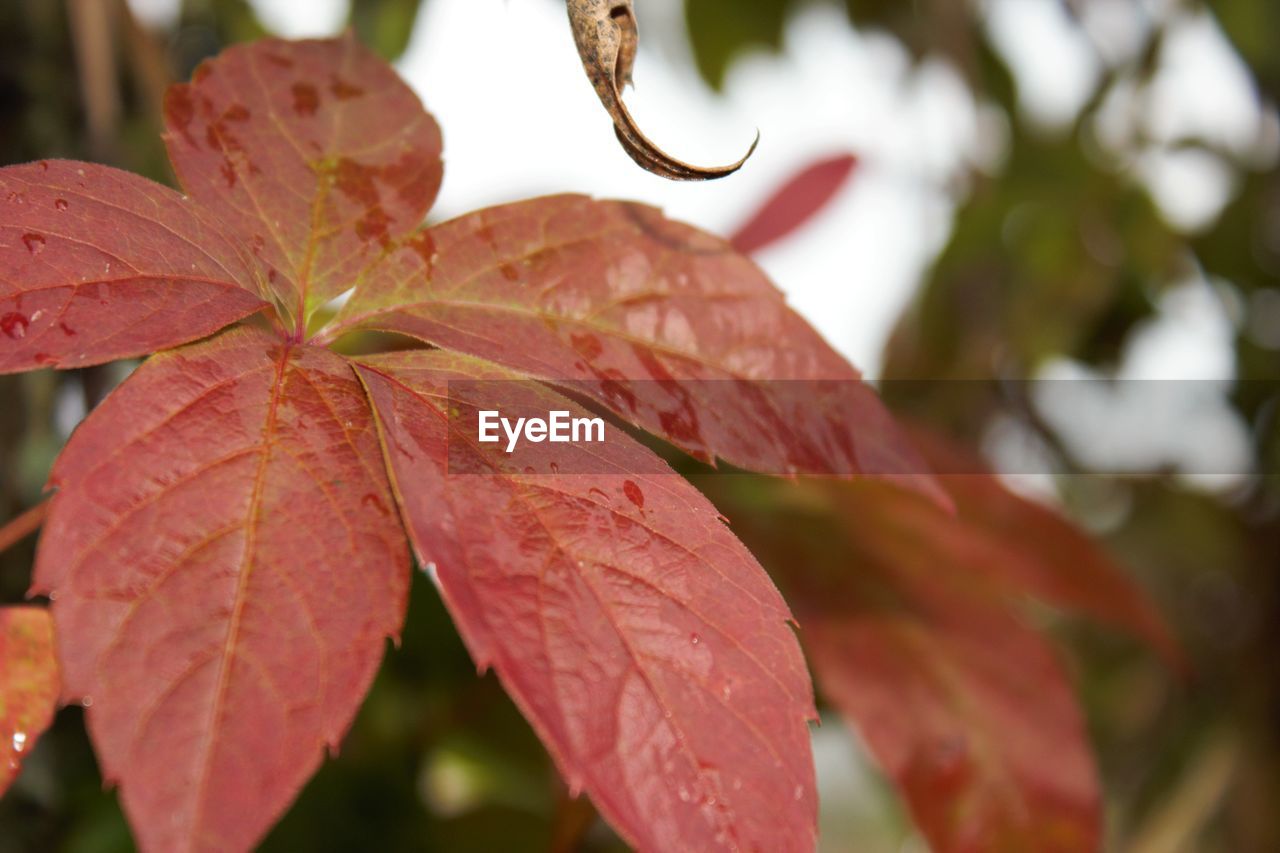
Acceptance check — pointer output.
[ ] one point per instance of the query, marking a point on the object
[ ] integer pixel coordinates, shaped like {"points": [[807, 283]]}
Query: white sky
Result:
{"points": [[520, 119]]}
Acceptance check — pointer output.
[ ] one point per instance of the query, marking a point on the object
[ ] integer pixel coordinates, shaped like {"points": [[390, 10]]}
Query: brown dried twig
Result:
{"points": [[23, 526]]}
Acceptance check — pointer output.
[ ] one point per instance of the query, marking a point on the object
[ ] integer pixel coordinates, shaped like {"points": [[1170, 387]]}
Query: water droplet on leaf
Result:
{"points": [[14, 325], [33, 242]]}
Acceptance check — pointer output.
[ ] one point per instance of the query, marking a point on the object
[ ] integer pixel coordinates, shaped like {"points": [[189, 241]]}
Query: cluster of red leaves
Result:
{"points": [[229, 545], [914, 619], [915, 624]]}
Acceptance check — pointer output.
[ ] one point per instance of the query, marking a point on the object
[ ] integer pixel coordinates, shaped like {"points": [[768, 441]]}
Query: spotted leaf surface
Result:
{"points": [[227, 565], [28, 685], [642, 641], [316, 152], [666, 325], [98, 264]]}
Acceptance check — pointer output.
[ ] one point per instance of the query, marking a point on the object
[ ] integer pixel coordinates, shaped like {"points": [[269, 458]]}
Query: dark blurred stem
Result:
{"points": [[573, 818], [23, 526], [92, 37], [146, 59]]}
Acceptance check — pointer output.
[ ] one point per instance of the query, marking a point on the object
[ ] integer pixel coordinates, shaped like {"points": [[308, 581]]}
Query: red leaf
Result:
{"points": [[664, 324], [28, 684], [966, 708], [227, 563], [794, 203], [1037, 552], [98, 264], [316, 151], [639, 637]]}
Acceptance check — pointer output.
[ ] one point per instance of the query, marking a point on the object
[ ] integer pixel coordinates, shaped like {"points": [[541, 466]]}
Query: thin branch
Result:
{"points": [[23, 526]]}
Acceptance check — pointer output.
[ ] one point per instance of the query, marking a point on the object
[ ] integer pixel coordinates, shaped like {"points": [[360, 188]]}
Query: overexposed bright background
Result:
{"points": [[520, 119]]}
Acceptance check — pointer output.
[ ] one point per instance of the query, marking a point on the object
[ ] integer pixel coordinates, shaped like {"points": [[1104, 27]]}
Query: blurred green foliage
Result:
{"points": [[385, 25]]}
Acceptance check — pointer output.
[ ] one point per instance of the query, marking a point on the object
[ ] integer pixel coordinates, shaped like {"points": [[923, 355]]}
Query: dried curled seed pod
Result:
{"points": [[606, 35]]}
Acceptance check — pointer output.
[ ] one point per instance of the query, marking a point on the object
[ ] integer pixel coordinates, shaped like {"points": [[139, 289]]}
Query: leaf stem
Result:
{"points": [[23, 526]]}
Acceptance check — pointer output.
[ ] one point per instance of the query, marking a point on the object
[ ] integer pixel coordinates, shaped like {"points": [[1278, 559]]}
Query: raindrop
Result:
{"points": [[86, 702], [798, 793], [633, 493], [430, 569], [33, 242], [695, 639], [684, 794], [14, 325], [19, 741], [555, 469], [61, 204]]}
